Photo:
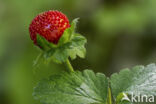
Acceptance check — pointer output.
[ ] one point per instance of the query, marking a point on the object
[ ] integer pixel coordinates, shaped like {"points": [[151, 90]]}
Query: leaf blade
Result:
{"points": [[75, 88], [139, 80]]}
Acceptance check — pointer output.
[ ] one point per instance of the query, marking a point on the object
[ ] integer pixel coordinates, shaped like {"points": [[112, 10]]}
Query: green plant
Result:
{"points": [[87, 87]]}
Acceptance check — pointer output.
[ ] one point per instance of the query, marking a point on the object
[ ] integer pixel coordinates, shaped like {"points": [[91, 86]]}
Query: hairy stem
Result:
{"points": [[69, 66]]}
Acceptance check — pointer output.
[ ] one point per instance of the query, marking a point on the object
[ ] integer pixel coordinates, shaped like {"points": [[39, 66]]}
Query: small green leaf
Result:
{"points": [[70, 49], [77, 47], [73, 88], [139, 80], [44, 44], [65, 37], [73, 26], [58, 55], [68, 33], [61, 55]]}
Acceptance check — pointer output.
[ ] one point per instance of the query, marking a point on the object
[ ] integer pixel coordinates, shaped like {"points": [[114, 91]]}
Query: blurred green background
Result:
{"points": [[120, 33]]}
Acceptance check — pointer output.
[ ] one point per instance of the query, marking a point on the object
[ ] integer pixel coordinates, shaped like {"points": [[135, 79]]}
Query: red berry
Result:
{"points": [[50, 25]]}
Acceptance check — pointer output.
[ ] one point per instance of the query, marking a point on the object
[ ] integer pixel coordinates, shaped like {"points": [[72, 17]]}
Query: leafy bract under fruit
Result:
{"points": [[71, 44], [73, 88]]}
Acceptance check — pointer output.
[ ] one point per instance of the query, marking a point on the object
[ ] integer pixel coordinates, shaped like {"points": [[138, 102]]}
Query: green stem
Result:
{"points": [[69, 66], [109, 99]]}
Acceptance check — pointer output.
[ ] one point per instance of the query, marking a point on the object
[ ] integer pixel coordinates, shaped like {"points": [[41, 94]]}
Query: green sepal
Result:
{"points": [[68, 33], [44, 44]]}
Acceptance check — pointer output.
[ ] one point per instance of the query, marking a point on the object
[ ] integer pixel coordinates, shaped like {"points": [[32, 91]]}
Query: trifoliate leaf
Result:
{"points": [[73, 88], [139, 80]]}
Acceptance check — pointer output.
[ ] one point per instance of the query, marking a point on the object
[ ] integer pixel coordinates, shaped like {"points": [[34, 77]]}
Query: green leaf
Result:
{"points": [[139, 80], [68, 33], [65, 37], [77, 47], [71, 49], [73, 26], [60, 55], [43, 43], [73, 88]]}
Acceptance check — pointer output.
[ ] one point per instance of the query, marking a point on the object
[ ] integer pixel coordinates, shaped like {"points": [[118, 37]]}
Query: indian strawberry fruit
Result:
{"points": [[50, 25]]}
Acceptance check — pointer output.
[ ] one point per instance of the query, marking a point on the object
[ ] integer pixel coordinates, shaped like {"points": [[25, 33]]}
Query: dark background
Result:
{"points": [[120, 34]]}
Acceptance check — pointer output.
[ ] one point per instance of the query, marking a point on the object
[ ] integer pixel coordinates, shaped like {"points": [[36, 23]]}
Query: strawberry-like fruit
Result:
{"points": [[50, 25]]}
